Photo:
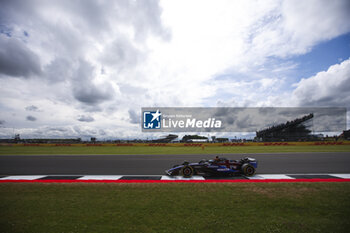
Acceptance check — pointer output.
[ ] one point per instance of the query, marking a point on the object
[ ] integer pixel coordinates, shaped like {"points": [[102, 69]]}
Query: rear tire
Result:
{"points": [[248, 170], [187, 171]]}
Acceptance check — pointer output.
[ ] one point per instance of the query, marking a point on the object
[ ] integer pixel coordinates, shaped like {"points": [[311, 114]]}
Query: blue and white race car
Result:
{"points": [[216, 167]]}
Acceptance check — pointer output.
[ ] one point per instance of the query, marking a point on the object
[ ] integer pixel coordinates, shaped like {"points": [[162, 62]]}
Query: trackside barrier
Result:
{"points": [[124, 144], [233, 144], [157, 144], [31, 144], [328, 143], [277, 144], [331, 143], [193, 144]]}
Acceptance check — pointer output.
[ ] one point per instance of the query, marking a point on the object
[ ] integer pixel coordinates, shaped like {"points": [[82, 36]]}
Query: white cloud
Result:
{"points": [[309, 22], [110, 58], [326, 88], [294, 27]]}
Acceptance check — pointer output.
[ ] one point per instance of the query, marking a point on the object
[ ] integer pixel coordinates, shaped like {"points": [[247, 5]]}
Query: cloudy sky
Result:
{"points": [[85, 68]]}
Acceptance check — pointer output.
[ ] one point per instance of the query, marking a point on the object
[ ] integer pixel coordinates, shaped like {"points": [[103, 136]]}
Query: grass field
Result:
{"points": [[175, 207], [229, 207], [58, 150]]}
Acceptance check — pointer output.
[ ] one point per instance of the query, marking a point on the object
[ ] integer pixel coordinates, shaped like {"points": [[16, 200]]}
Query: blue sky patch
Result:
{"points": [[323, 55]]}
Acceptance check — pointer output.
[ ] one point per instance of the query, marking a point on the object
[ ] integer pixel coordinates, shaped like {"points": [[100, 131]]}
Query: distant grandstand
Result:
{"points": [[166, 139], [194, 138], [295, 130], [345, 135], [17, 139]]}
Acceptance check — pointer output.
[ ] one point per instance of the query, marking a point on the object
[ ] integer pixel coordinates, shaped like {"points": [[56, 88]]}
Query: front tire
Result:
{"points": [[248, 170], [187, 171]]}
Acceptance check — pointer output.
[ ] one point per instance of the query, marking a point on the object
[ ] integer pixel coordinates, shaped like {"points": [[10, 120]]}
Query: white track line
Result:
{"points": [[182, 178], [21, 177], [100, 178], [344, 176], [270, 176]]}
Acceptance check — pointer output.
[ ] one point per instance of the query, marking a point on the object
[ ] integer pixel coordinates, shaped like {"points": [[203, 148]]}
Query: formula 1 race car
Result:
{"points": [[217, 167]]}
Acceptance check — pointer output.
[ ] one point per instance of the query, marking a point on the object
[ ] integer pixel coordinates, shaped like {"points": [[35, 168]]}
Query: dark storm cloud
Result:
{"points": [[2, 122], [31, 118], [134, 117], [85, 91], [122, 54], [58, 70], [84, 118], [32, 108], [16, 59], [90, 94]]}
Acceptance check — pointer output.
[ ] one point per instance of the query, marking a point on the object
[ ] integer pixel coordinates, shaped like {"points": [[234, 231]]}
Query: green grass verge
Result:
{"points": [[204, 207], [58, 150]]}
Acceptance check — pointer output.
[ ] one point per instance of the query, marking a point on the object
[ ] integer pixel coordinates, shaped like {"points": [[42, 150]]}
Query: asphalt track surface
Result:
{"points": [[276, 163]]}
